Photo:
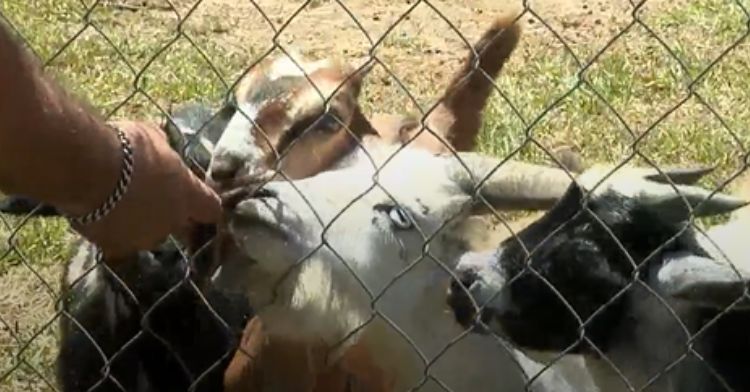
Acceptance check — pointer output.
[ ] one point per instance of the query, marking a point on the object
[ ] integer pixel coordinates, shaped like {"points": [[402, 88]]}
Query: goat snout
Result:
{"points": [[459, 298], [225, 167], [231, 198], [244, 187]]}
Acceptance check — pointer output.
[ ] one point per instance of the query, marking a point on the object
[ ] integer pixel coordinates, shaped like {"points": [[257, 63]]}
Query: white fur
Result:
{"points": [[86, 278], [299, 66], [323, 299], [80, 270], [238, 142]]}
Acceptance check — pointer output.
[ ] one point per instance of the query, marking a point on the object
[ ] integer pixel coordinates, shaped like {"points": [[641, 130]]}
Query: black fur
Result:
{"points": [[729, 344], [165, 326], [584, 264], [198, 118]]}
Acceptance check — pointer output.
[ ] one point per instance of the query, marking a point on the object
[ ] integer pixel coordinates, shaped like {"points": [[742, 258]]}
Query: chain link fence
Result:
{"points": [[633, 83]]}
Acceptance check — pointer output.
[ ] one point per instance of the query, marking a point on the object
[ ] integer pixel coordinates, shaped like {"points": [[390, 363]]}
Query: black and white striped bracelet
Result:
{"points": [[122, 185]]}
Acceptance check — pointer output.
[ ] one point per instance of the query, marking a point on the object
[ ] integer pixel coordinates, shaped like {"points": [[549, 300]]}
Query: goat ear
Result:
{"points": [[702, 281], [458, 117], [17, 205], [361, 67], [514, 185]]}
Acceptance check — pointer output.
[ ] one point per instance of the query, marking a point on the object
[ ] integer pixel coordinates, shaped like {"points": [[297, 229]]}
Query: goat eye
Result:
{"points": [[400, 218]]}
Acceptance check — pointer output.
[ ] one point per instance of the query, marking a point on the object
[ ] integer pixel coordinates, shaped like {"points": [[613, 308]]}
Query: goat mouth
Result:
{"points": [[237, 189], [258, 211], [232, 198], [466, 313]]}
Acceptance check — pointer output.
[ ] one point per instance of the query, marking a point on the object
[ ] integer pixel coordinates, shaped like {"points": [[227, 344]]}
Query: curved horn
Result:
{"points": [[678, 175], [514, 185], [652, 190]]}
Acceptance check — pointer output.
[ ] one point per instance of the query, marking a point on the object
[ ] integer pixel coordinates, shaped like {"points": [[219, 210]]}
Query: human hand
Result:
{"points": [[164, 197]]}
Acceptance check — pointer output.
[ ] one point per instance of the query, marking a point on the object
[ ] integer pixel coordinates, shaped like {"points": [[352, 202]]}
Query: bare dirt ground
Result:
{"points": [[422, 42]]}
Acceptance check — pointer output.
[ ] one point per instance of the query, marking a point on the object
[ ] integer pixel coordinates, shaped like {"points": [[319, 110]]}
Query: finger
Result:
{"points": [[204, 205]]}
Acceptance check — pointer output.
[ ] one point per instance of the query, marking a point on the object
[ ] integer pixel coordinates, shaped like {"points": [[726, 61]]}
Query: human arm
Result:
{"points": [[56, 150]]}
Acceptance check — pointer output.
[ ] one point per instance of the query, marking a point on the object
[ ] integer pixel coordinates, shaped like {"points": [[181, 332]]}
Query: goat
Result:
{"points": [[614, 272], [279, 112]]}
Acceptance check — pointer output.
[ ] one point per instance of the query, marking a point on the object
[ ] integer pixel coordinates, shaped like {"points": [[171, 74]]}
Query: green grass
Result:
{"points": [[629, 88], [636, 77]]}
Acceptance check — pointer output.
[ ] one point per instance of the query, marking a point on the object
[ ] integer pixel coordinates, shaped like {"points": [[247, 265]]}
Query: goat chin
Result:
{"points": [[324, 304], [314, 302], [328, 306]]}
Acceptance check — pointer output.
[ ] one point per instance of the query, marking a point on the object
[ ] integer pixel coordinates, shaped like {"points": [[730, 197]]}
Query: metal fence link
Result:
{"points": [[614, 86]]}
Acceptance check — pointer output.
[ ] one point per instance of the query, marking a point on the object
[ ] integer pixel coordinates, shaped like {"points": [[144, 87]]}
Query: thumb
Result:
{"points": [[204, 205]]}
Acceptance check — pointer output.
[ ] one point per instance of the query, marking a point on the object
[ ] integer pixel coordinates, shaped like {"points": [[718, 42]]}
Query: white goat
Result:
{"points": [[633, 339], [362, 234]]}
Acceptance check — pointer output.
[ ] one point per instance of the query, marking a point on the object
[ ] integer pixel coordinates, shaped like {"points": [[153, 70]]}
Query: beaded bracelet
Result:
{"points": [[122, 185]]}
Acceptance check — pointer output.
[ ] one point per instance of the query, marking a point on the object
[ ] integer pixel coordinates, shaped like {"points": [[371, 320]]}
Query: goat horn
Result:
{"points": [[514, 185], [673, 207], [683, 176]]}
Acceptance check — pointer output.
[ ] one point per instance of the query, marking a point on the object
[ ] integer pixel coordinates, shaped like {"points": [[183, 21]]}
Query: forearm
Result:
{"points": [[52, 147]]}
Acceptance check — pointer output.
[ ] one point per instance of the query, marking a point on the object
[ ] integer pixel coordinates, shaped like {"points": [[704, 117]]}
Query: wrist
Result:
{"points": [[117, 193], [98, 185]]}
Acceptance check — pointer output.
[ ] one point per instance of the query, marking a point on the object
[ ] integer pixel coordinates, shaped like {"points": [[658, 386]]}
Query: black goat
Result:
{"points": [[625, 281], [149, 321]]}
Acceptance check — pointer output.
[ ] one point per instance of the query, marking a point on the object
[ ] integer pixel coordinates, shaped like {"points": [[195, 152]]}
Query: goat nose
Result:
{"points": [[467, 277], [225, 167], [459, 299]]}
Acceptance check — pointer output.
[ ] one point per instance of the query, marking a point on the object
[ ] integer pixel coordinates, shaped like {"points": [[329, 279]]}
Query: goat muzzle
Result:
{"points": [[230, 199]]}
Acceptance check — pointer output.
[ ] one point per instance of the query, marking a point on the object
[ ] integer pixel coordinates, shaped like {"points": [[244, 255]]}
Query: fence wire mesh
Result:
{"points": [[371, 250]]}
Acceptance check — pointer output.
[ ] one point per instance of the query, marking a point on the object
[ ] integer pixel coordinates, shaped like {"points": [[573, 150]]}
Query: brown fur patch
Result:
{"points": [[458, 117]]}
